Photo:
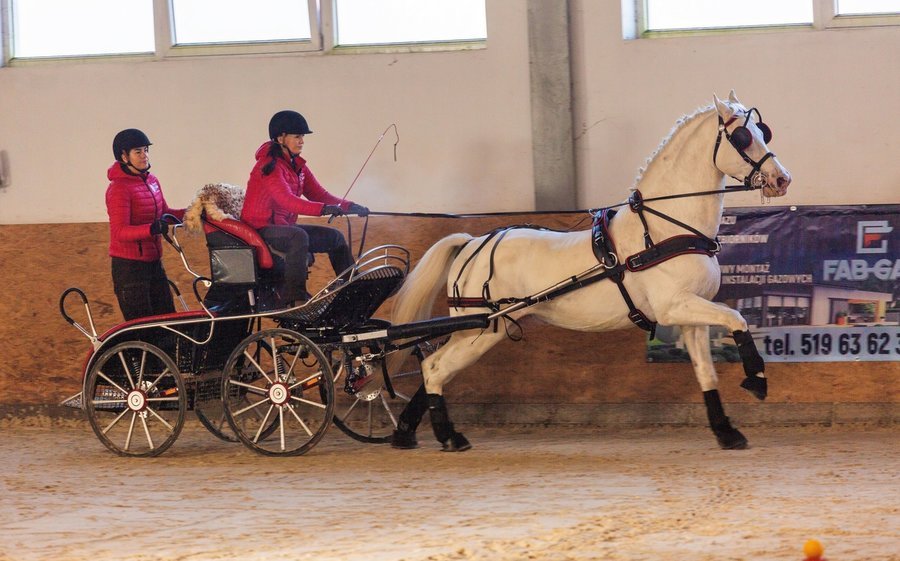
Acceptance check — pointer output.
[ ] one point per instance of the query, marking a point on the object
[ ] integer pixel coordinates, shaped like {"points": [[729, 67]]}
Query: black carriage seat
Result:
{"points": [[375, 277]]}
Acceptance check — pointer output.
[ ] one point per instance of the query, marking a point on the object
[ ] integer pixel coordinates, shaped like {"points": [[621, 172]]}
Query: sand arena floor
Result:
{"points": [[532, 493]]}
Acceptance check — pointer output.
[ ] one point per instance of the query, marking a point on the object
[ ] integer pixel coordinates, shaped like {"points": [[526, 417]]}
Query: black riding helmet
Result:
{"points": [[128, 139], [287, 122]]}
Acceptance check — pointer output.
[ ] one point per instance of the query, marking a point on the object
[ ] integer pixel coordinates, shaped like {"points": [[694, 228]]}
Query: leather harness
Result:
{"points": [[605, 251], [604, 248]]}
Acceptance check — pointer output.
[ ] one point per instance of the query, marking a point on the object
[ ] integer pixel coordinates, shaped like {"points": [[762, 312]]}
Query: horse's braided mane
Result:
{"points": [[678, 125]]}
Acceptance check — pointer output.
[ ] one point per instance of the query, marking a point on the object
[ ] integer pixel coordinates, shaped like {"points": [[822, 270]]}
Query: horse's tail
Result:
{"points": [[416, 297]]}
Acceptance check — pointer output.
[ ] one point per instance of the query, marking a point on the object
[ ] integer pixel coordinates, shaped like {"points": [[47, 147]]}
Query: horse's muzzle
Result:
{"points": [[777, 185]]}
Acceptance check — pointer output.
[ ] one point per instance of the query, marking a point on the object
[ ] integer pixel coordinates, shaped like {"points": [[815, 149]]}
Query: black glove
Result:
{"points": [[358, 210], [158, 227], [333, 210]]}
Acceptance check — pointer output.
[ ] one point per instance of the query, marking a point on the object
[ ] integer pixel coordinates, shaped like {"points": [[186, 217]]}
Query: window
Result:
{"points": [[365, 22], [239, 22], [657, 18], [668, 15], [169, 28], [59, 28], [867, 7]]}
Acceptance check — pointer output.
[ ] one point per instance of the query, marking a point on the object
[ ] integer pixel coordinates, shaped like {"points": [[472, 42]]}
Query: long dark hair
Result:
{"points": [[275, 151]]}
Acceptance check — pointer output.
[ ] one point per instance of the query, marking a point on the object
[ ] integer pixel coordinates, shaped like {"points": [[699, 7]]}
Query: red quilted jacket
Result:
{"points": [[133, 202], [275, 198]]}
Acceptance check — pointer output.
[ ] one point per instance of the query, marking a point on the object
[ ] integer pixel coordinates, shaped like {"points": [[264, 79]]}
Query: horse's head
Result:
{"points": [[746, 154]]}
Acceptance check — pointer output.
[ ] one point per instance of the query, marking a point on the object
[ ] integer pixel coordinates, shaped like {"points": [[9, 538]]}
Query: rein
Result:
{"points": [[609, 266], [654, 253]]}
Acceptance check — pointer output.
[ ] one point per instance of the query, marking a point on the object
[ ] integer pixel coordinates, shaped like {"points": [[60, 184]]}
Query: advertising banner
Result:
{"points": [[817, 283]]}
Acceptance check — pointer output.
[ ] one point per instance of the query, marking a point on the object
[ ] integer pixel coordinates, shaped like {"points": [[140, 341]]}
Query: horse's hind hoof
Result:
{"points": [[732, 440], [456, 443], [757, 385], [403, 440]]}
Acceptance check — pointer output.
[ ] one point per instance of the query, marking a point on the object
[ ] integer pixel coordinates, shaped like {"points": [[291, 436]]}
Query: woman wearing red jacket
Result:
{"points": [[280, 188], [135, 204]]}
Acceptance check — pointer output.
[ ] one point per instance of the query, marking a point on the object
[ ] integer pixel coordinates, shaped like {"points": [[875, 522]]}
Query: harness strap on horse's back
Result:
{"points": [[605, 251], [470, 258], [457, 301], [486, 287]]}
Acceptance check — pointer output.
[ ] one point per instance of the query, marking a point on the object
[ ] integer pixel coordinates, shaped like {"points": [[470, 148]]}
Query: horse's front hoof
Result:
{"points": [[456, 443], [732, 439], [404, 440], [757, 385]]}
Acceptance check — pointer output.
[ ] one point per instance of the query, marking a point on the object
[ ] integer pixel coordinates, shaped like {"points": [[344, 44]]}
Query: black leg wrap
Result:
{"points": [[404, 436], [451, 441], [754, 366], [403, 440], [728, 437]]}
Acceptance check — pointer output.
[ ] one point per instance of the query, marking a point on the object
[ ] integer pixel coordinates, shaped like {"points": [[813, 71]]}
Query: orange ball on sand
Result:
{"points": [[813, 550]]}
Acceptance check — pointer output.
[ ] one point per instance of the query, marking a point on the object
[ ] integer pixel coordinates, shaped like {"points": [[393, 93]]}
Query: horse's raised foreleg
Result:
{"points": [[754, 366], [690, 309], [696, 339]]}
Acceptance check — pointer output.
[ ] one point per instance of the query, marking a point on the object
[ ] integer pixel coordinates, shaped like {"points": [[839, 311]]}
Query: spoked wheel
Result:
{"points": [[279, 392], [135, 399], [364, 408], [209, 410]]}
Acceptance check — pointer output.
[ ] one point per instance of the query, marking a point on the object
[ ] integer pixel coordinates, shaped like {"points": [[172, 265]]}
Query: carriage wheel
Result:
{"points": [[364, 408], [210, 410], [278, 402], [135, 399]]}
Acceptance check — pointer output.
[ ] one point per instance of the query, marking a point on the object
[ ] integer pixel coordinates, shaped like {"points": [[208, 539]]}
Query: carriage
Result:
{"points": [[276, 378], [273, 378]]}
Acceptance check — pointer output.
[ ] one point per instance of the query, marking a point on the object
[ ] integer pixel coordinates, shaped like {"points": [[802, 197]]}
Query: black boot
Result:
{"points": [[404, 436], [451, 441], [728, 437], [754, 365]]}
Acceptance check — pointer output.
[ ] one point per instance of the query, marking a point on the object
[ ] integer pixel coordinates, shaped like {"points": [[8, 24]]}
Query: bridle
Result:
{"points": [[740, 140]]}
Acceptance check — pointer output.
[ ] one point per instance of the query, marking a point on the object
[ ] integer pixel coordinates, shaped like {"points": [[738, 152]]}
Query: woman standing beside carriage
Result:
{"points": [[135, 205], [280, 188]]}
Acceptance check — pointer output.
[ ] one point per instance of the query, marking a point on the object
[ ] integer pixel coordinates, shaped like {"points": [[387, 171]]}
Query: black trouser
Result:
{"points": [[295, 241], [141, 288]]}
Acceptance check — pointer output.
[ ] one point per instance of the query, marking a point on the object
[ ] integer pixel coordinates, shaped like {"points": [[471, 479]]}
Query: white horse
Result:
{"points": [[719, 140]]}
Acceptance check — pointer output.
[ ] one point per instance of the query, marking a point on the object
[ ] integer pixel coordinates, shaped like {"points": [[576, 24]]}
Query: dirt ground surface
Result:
{"points": [[535, 493]]}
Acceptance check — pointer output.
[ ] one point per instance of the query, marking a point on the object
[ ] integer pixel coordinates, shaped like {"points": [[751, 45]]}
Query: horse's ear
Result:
{"points": [[724, 110]]}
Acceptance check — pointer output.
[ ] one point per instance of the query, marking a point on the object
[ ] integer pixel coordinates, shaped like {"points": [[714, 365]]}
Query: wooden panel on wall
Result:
{"points": [[44, 355]]}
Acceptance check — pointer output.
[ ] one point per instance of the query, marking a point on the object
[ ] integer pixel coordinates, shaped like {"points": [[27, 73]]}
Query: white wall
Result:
{"points": [[831, 98], [463, 118]]}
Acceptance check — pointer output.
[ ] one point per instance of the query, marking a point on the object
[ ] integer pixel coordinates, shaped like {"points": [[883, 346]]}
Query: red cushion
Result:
{"points": [[246, 234]]}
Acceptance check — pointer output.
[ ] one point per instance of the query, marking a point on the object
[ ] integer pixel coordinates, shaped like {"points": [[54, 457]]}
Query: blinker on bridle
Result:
{"points": [[741, 139]]}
